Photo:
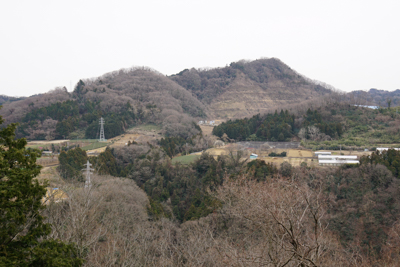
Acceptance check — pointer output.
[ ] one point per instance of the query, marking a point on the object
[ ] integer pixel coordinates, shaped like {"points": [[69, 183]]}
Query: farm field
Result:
{"points": [[146, 127], [51, 175], [85, 144], [140, 134], [185, 159], [294, 153], [217, 151], [94, 145], [206, 129]]}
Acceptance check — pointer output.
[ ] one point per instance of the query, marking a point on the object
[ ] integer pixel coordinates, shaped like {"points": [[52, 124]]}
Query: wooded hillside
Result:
{"points": [[123, 98]]}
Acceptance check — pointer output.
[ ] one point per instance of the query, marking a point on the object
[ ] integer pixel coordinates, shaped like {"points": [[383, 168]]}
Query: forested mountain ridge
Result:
{"points": [[244, 88], [124, 98]]}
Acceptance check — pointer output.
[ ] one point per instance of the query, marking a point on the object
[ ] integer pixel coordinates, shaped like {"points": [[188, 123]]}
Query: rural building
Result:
{"points": [[253, 156], [211, 123], [337, 157], [337, 162], [47, 153], [322, 153]]}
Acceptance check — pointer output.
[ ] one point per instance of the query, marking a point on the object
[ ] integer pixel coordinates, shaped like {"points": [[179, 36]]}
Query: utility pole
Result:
{"points": [[102, 138], [88, 171]]}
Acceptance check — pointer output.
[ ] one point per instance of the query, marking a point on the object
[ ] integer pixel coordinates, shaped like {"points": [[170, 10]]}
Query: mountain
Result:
{"points": [[124, 98], [376, 97], [141, 95], [247, 88]]}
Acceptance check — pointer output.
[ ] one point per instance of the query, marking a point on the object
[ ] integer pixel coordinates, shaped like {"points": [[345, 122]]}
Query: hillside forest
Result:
{"points": [[210, 212], [144, 208]]}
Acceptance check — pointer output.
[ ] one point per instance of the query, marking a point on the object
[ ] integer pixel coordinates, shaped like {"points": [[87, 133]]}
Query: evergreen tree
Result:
{"points": [[71, 163], [22, 229]]}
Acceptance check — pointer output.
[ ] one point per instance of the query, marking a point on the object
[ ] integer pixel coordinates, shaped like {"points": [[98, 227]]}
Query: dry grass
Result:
{"points": [[294, 153], [217, 151], [51, 175], [39, 142], [123, 139], [295, 156], [207, 130]]}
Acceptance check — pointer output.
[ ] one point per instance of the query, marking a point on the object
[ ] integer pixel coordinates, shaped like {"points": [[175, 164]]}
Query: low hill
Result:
{"points": [[134, 96], [123, 98], [247, 88], [376, 97]]}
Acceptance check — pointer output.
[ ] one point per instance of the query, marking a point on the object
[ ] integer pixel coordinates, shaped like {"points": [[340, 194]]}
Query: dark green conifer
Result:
{"points": [[23, 231]]}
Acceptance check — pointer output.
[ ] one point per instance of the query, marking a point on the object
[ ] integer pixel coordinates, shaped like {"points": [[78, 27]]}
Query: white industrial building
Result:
{"points": [[322, 153], [337, 157], [337, 160]]}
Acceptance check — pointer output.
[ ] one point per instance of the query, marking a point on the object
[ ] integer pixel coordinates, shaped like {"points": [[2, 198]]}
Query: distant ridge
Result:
{"points": [[4, 99], [376, 97]]}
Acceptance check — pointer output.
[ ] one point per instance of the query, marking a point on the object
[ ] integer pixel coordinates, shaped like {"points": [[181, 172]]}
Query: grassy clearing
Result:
{"points": [[147, 127], [94, 145], [207, 130], [84, 140], [185, 159]]}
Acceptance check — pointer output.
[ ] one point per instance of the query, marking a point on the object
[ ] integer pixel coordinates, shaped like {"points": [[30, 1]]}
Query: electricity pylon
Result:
{"points": [[102, 138], [88, 171]]}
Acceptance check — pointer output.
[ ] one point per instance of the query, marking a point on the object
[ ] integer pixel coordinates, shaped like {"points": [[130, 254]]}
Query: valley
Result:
{"points": [[248, 189]]}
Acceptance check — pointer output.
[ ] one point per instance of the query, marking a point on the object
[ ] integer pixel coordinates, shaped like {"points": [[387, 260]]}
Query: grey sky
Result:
{"points": [[352, 45]]}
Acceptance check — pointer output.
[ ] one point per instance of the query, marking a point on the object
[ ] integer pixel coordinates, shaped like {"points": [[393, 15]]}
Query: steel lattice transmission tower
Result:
{"points": [[88, 171], [102, 138]]}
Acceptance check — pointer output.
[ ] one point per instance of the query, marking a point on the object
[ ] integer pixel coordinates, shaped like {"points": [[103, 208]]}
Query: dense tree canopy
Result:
{"points": [[72, 163], [271, 127]]}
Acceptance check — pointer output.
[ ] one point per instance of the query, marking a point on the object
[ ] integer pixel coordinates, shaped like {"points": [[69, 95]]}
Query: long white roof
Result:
{"points": [[339, 161], [322, 153], [337, 157]]}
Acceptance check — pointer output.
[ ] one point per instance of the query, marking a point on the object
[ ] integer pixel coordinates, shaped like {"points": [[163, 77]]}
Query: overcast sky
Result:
{"points": [[352, 45]]}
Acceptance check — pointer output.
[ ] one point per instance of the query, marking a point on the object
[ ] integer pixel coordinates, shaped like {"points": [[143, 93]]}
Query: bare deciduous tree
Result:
{"points": [[276, 223]]}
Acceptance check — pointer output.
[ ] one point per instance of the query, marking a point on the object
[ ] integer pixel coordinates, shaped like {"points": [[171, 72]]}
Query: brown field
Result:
{"points": [[217, 151], [122, 140], [206, 129], [47, 161], [294, 153], [51, 175]]}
